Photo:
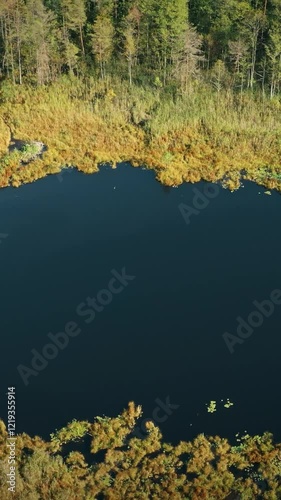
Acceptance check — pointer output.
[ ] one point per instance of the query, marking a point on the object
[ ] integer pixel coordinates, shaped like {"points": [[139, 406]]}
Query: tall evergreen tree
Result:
{"points": [[162, 25], [74, 18], [39, 47]]}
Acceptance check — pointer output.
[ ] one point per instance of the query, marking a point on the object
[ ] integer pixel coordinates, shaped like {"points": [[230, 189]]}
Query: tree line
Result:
{"points": [[227, 43]]}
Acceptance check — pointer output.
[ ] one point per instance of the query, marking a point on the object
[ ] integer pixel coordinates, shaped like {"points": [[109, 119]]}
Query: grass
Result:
{"points": [[4, 137], [185, 138]]}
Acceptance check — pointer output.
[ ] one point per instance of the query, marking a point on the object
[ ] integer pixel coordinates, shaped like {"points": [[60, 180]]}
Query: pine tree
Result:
{"points": [[41, 43], [74, 18], [163, 24]]}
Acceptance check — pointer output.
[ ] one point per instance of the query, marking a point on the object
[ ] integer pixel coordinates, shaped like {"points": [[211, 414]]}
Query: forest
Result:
{"points": [[233, 44]]}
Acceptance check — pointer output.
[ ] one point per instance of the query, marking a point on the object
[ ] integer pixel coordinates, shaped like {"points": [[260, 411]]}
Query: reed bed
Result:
{"points": [[206, 135]]}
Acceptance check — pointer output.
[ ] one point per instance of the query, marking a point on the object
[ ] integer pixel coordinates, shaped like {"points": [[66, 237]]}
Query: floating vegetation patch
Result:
{"points": [[228, 404], [212, 406]]}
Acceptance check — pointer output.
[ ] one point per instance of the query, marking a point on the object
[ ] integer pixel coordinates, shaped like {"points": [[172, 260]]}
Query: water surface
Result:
{"points": [[162, 336]]}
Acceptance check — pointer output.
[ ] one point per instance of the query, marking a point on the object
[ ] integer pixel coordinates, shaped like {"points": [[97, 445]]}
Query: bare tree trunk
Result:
{"points": [[82, 40], [263, 79], [4, 38], [130, 70], [19, 46], [253, 62], [19, 62], [10, 50], [272, 86], [257, 26], [101, 70], [7, 49], [165, 69], [242, 87]]}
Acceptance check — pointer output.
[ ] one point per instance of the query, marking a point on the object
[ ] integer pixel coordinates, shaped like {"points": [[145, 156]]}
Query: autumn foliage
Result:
{"points": [[126, 467], [87, 122]]}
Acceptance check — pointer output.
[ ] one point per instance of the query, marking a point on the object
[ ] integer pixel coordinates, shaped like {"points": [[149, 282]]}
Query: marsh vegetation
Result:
{"points": [[119, 465]]}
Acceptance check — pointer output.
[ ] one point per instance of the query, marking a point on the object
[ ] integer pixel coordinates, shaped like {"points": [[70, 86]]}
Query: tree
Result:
{"points": [[12, 16], [70, 51], [102, 40], [163, 24], [131, 36], [188, 58], [254, 24], [202, 14], [219, 75], [74, 18], [40, 40], [273, 50], [238, 51]]}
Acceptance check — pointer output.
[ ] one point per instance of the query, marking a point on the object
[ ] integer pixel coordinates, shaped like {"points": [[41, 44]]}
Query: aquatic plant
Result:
{"points": [[212, 407], [124, 466]]}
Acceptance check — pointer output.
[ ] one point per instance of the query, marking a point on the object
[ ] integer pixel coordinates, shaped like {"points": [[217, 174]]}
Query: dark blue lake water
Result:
{"points": [[161, 336]]}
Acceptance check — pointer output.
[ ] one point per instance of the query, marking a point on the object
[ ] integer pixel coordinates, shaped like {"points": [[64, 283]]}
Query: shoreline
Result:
{"points": [[220, 182], [211, 466], [180, 144]]}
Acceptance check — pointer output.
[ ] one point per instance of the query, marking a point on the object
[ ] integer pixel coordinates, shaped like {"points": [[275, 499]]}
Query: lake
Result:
{"points": [[159, 339]]}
